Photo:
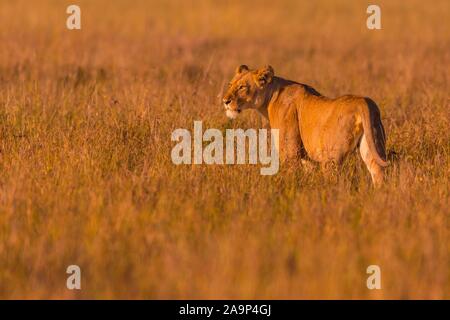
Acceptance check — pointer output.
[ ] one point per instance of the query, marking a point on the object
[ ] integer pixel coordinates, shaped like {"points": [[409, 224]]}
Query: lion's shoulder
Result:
{"points": [[296, 88]]}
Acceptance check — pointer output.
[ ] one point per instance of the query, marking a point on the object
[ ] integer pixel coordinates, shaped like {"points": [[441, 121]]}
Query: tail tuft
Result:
{"points": [[374, 131]]}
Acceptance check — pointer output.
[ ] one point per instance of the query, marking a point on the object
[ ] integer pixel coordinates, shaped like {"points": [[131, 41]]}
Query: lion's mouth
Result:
{"points": [[232, 114]]}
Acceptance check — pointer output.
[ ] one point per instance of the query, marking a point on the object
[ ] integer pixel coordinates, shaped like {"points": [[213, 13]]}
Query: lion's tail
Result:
{"points": [[374, 131]]}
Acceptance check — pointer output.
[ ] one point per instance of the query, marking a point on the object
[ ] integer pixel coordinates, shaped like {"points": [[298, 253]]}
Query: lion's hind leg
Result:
{"points": [[376, 171]]}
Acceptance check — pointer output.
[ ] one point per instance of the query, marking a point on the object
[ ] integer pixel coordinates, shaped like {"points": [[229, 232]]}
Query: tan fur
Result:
{"points": [[311, 125]]}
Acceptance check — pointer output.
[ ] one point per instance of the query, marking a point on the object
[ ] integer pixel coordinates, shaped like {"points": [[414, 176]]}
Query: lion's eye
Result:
{"points": [[242, 87]]}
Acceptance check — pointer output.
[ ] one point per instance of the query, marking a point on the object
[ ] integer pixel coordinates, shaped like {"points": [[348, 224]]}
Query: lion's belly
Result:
{"points": [[332, 138]]}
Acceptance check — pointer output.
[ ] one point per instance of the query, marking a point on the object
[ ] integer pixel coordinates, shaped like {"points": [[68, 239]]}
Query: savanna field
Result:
{"points": [[86, 176]]}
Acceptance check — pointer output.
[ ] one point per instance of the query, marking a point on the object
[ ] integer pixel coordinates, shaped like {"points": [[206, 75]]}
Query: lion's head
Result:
{"points": [[247, 89]]}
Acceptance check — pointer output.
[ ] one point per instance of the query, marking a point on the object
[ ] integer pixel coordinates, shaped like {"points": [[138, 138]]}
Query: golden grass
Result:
{"points": [[86, 176]]}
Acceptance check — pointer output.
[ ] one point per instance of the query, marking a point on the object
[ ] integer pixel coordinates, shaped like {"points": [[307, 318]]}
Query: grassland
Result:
{"points": [[86, 176]]}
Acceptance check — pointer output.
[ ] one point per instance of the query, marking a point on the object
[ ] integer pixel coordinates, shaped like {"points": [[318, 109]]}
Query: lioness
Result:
{"points": [[311, 125]]}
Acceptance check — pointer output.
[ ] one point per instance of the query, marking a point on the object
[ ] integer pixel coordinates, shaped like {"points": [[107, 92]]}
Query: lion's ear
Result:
{"points": [[242, 68], [264, 76]]}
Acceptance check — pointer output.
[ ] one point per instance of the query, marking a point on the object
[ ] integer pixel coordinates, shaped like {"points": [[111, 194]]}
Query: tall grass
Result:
{"points": [[86, 176]]}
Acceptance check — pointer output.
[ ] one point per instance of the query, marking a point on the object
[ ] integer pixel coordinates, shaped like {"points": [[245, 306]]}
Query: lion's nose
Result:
{"points": [[226, 101]]}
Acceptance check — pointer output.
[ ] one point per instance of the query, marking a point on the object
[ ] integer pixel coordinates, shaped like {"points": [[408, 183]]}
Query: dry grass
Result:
{"points": [[86, 176]]}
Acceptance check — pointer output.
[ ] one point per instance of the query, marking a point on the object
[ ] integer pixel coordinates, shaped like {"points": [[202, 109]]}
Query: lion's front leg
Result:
{"points": [[308, 165], [290, 146]]}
